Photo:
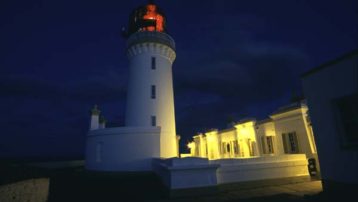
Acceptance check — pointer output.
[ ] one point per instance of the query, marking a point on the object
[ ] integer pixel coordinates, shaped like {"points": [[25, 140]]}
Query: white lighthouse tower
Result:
{"points": [[151, 53], [150, 120]]}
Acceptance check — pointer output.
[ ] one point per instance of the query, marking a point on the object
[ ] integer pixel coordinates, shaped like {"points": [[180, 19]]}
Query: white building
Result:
{"points": [[150, 119], [332, 95], [287, 131], [149, 141]]}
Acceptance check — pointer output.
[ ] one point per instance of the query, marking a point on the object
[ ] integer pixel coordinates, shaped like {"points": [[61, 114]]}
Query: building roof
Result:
{"points": [[330, 63], [245, 120], [263, 121], [290, 107], [211, 130], [227, 130]]}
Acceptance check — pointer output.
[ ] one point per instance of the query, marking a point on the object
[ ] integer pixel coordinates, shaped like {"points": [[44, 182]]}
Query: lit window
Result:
{"points": [[153, 93], [153, 63], [154, 121]]}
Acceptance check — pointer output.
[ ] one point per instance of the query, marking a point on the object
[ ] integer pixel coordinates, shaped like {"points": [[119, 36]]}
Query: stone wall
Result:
{"points": [[193, 172], [261, 168], [32, 190]]}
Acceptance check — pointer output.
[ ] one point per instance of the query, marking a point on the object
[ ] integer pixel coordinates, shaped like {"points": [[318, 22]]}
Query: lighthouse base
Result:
{"points": [[122, 149]]}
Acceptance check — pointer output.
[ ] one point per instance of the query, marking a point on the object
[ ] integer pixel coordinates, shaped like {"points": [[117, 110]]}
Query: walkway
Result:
{"points": [[290, 192]]}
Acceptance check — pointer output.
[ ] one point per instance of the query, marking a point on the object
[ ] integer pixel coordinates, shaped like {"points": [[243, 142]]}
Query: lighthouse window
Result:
{"points": [[153, 62], [154, 121], [152, 94]]}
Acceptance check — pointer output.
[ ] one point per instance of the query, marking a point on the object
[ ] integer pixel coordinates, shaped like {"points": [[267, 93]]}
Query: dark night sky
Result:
{"points": [[234, 59]]}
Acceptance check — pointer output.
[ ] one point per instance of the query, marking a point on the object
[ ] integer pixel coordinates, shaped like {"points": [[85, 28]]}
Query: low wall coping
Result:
{"points": [[124, 130]]}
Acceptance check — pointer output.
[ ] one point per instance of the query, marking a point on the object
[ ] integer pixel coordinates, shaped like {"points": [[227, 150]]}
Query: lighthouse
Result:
{"points": [[149, 131], [151, 53]]}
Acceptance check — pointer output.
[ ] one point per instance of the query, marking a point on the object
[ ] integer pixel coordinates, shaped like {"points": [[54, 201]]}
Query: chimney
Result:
{"points": [[95, 118], [102, 122]]}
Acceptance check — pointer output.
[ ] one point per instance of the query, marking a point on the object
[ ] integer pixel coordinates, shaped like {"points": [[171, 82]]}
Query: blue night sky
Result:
{"points": [[234, 59]]}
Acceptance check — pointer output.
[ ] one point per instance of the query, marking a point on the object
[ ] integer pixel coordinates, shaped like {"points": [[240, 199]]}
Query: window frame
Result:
{"points": [[270, 144], [153, 92], [293, 136], [153, 121], [340, 122], [287, 144], [153, 63], [267, 142]]}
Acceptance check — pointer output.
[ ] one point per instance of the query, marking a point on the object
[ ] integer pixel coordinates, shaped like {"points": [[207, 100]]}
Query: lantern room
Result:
{"points": [[146, 18]]}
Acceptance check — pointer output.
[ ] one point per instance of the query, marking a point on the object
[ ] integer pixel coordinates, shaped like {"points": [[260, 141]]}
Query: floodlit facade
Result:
{"points": [[287, 131], [235, 142], [332, 95]]}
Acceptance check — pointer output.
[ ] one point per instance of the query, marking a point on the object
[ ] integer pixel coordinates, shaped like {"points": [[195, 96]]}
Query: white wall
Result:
{"points": [[140, 105], [246, 134], [321, 88], [190, 172], [179, 173], [122, 149], [293, 121], [261, 168], [213, 144], [94, 124], [267, 129], [228, 136]]}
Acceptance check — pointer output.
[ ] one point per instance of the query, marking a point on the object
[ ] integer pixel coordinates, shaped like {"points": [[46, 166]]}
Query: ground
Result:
{"points": [[91, 186], [76, 184]]}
